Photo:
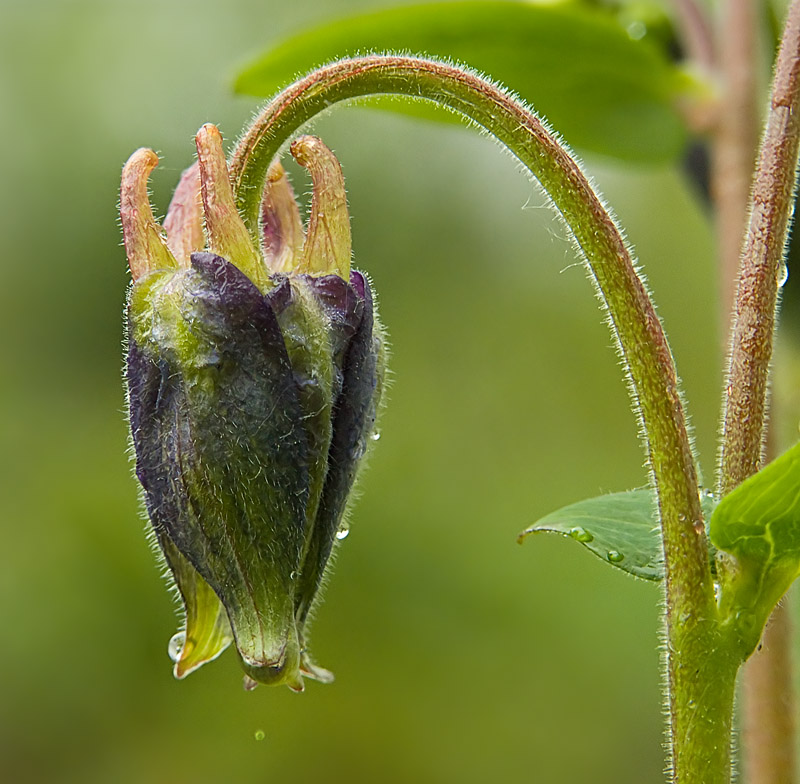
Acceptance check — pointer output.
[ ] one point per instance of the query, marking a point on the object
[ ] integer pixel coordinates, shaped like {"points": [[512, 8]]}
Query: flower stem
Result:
{"points": [[767, 704], [745, 398], [769, 742], [700, 716]]}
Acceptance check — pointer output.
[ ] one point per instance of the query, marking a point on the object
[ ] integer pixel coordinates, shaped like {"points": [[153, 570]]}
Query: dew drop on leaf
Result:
{"points": [[580, 534], [614, 556]]}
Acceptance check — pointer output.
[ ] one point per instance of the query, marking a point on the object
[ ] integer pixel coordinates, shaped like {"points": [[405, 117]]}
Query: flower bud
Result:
{"points": [[254, 378]]}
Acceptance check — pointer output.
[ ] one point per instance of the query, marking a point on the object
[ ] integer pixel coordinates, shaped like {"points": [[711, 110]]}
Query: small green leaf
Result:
{"points": [[577, 66], [620, 528], [759, 524]]}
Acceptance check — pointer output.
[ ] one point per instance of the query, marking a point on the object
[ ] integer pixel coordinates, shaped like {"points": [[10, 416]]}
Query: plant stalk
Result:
{"points": [[771, 204], [767, 705], [699, 716], [769, 720]]}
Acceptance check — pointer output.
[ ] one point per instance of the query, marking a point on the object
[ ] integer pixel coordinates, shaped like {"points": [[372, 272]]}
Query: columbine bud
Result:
{"points": [[254, 376]]}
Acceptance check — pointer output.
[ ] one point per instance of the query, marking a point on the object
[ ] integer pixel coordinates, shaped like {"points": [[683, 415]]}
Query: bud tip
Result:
{"points": [[145, 246]]}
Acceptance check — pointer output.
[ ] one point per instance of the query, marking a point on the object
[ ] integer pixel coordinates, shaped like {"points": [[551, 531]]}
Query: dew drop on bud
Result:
{"points": [[783, 274], [343, 533], [175, 645], [376, 436]]}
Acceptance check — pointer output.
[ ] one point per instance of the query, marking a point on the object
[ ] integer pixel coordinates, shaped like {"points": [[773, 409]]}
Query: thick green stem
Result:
{"points": [[702, 707], [700, 733]]}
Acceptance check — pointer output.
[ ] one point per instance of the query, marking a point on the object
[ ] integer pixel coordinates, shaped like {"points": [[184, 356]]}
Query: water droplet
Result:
{"points": [[376, 436], [292, 575], [175, 645], [260, 734], [343, 532], [614, 556], [580, 534], [783, 274], [637, 30]]}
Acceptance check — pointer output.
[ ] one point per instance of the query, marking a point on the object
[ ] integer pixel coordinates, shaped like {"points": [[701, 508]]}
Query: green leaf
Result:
{"points": [[620, 528], [759, 524], [576, 65]]}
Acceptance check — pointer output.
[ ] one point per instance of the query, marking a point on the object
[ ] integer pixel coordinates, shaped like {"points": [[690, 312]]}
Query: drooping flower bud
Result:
{"points": [[254, 377]]}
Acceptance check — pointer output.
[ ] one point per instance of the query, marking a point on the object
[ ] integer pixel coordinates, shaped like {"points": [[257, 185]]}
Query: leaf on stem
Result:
{"points": [[570, 62], [759, 524], [620, 528]]}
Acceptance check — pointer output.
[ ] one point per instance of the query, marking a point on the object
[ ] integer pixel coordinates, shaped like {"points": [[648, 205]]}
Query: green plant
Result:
{"points": [[726, 557]]}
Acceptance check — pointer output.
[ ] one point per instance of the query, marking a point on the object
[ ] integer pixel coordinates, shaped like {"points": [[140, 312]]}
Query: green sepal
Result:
{"points": [[207, 631]]}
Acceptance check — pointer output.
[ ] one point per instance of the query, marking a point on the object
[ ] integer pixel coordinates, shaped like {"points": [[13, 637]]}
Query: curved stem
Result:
{"points": [[691, 609]]}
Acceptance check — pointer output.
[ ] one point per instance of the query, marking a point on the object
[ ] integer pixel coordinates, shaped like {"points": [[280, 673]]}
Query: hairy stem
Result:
{"points": [[745, 398], [767, 739], [699, 732], [768, 722]]}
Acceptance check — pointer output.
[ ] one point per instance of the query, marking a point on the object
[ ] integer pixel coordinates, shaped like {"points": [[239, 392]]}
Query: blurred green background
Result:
{"points": [[459, 655]]}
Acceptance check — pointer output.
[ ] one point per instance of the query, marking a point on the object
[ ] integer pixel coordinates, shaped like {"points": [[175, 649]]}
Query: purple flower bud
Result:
{"points": [[254, 378]]}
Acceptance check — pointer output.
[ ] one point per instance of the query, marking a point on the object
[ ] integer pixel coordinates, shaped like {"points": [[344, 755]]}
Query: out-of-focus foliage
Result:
{"points": [[571, 60], [459, 656]]}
